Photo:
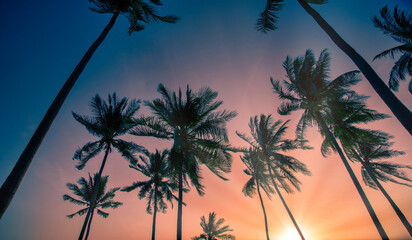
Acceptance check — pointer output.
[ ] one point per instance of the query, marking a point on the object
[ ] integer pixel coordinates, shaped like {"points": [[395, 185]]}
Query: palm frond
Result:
{"points": [[268, 19]]}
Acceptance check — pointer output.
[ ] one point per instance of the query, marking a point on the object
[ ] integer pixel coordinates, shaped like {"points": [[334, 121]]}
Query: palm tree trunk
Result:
{"points": [[355, 181], [12, 183], [264, 211], [95, 191], [395, 207], [179, 206], [401, 112], [88, 226], [284, 204], [154, 217]]}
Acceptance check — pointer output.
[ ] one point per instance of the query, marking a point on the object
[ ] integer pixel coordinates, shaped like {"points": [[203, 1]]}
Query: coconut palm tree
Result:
{"points": [[366, 146], [259, 179], [307, 88], [85, 191], [158, 187], [267, 139], [138, 13], [373, 170], [268, 21], [198, 131], [109, 121], [398, 25], [213, 230]]}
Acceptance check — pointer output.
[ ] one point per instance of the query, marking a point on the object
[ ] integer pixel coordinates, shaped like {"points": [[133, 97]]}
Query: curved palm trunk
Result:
{"points": [[284, 204], [395, 207], [355, 181], [95, 191], [179, 207], [154, 218], [401, 112], [264, 211], [12, 183], [88, 226]]}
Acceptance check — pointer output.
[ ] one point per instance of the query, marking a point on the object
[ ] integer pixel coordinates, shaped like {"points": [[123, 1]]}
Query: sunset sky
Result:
{"points": [[214, 44]]}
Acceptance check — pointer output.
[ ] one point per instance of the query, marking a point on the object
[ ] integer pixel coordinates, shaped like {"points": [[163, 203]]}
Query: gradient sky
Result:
{"points": [[213, 45]]}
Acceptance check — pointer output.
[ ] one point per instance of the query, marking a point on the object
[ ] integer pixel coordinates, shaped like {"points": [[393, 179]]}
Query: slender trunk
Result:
{"points": [[12, 183], [264, 211], [88, 226], [179, 206], [154, 217], [401, 112], [95, 191], [395, 207], [355, 181], [284, 203]]}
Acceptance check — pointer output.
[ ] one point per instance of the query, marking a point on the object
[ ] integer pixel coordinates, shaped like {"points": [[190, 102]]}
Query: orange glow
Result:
{"points": [[291, 234]]}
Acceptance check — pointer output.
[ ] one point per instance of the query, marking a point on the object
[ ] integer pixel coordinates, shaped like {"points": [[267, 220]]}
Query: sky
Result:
{"points": [[214, 44]]}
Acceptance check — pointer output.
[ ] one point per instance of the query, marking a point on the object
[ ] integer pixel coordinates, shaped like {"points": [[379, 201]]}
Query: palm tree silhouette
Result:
{"points": [[268, 21], [365, 146], [307, 88], [267, 140], [213, 230], [138, 13], [259, 178], [198, 132], [158, 187], [398, 25], [85, 192], [109, 121], [373, 170]]}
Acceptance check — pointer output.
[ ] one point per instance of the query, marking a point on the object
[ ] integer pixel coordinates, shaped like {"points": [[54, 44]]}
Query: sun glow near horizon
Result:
{"points": [[290, 234]]}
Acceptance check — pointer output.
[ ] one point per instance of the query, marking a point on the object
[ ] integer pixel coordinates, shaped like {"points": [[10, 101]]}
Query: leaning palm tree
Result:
{"points": [[268, 21], [109, 121], [158, 187], [373, 170], [398, 25], [85, 191], [259, 179], [267, 139], [198, 131], [138, 13], [307, 88], [213, 230], [365, 146]]}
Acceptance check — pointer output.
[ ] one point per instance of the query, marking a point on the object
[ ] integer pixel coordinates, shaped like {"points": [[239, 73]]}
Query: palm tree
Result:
{"points": [[267, 140], [268, 21], [198, 131], [259, 178], [373, 170], [109, 121], [398, 25], [213, 230], [366, 146], [85, 191], [138, 13], [158, 187], [307, 88]]}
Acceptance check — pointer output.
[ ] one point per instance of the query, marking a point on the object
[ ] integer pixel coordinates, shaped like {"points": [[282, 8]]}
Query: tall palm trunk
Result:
{"points": [[12, 183], [95, 191], [154, 217], [401, 112], [395, 207], [284, 203], [88, 226], [264, 211], [355, 181], [179, 206]]}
